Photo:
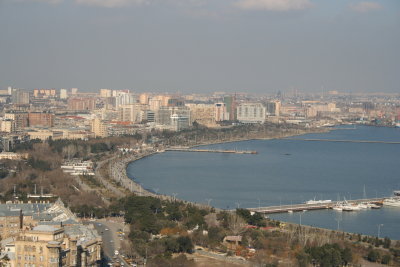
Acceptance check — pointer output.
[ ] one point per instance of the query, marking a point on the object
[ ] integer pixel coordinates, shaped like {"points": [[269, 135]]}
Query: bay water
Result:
{"points": [[288, 172]]}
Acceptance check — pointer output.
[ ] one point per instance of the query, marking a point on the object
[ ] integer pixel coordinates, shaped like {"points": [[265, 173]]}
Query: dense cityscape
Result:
{"points": [[73, 146], [199, 133]]}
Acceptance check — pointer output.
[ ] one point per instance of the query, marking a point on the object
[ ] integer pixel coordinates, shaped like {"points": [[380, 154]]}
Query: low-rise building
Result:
{"points": [[45, 135], [46, 234]]}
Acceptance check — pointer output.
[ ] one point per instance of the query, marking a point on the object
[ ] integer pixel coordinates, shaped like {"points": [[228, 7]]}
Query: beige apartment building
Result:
{"points": [[46, 235], [203, 114], [52, 246], [99, 128], [45, 135]]}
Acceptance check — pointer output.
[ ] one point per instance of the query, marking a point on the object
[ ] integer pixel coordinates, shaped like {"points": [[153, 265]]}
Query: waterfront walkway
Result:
{"points": [[305, 207]]}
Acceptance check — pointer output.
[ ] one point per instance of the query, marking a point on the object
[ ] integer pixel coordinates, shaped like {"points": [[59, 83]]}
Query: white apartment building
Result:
{"points": [[251, 113]]}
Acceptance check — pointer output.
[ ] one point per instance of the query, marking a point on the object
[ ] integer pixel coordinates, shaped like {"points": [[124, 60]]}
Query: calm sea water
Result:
{"points": [[286, 172]]}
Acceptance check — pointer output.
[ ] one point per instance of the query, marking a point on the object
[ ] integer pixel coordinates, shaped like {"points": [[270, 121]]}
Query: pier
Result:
{"points": [[306, 207], [344, 141], [212, 150]]}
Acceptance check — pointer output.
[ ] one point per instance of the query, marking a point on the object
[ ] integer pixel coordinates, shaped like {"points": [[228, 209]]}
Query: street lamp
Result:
{"points": [[379, 230], [174, 194], [338, 222]]}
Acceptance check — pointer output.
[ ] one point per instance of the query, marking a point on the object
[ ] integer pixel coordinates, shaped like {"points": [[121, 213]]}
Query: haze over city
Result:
{"points": [[201, 46]]}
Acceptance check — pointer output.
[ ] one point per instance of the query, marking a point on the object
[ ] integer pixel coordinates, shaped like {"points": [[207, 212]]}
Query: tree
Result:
{"points": [[347, 256], [386, 259], [373, 256], [303, 259], [185, 244], [387, 242]]}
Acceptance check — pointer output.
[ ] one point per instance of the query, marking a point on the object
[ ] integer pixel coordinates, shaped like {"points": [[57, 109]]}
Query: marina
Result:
{"points": [[378, 202]]}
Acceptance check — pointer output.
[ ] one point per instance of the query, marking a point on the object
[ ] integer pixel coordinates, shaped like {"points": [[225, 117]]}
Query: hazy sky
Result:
{"points": [[258, 46]]}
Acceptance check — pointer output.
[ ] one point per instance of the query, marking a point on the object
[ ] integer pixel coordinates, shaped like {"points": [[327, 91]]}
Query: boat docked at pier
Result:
{"points": [[393, 201], [313, 201]]}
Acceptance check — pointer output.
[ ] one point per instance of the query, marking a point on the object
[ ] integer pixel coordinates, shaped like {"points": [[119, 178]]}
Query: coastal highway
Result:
{"points": [[111, 242]]}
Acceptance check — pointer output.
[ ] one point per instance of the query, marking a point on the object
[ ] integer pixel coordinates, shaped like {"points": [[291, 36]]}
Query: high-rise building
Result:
{"points": [[273, 108], [221, 113], [155, 104], [164, 114], [179, 122], [131, 112], [40, 119], [63, 94], [44, 93], [144, 98], [251, 113], [99, 128], [124, 98], [175, 102], [74, 91], [148, 116], [230, 103], [19, 96], [203, 114], [81, 103], [105, 93], [20, 119], [7, 126]]}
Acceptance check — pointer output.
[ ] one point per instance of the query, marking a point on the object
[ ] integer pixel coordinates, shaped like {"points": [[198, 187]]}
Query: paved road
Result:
{"points": [[111, 241], [106, 183]]}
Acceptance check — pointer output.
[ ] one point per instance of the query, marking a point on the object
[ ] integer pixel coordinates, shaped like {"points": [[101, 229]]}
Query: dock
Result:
{"points": [[212, 150], [306, 207], [344, 141]]}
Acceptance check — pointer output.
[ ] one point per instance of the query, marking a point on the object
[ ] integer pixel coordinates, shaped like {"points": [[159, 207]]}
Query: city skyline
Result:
{"points": [[253, 46]]}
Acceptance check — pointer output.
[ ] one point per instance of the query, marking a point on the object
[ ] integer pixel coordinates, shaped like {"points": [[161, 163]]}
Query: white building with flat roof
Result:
{"points": [[251, 113]]}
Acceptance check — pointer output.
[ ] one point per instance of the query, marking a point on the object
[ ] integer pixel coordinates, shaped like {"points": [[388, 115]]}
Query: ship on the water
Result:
{"points": [[313, 201]]}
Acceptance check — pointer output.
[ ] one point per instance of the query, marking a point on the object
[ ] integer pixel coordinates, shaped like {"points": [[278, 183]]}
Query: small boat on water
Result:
{"points": [[337, 208], [363, 205], [313, 201], [373, 206], [393, 202]]}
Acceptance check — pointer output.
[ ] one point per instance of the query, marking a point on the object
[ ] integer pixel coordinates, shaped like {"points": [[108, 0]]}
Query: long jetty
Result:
{"points": [[344, 141], [212, 150], [305, 207]]}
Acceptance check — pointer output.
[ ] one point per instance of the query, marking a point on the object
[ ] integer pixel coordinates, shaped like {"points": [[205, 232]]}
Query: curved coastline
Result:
{"points": [[148, 164], [137, 188]]}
